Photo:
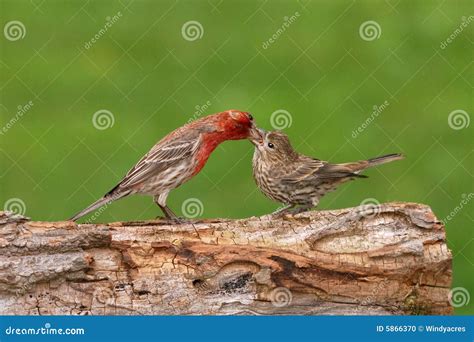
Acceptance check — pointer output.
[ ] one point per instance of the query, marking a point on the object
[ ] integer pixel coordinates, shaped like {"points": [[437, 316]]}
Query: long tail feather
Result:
{"points": [[385, 159], [97, 204]]}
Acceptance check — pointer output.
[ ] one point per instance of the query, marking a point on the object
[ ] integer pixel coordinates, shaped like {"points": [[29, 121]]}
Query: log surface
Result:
{"points": [[390, 259]]}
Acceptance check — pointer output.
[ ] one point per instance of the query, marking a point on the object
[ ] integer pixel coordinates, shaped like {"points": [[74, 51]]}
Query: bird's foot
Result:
{"points": [[301, 210], [175, 220], [291, 210], [180, 220], [172, 217], [282, 211]]}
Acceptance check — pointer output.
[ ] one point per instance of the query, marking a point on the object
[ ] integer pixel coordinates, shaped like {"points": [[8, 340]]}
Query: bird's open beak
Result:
{"points": [[256, 135]]}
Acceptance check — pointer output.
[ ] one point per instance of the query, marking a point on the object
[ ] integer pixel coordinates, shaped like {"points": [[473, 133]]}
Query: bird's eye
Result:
{"points": [[250, 117], [271, 145]]}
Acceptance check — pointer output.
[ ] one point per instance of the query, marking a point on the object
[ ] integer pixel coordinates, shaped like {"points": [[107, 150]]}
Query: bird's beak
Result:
{"points": [[256, 135]]}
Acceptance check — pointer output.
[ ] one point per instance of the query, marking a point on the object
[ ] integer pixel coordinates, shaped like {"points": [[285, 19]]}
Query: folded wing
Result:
{"points": [[162, 156]]}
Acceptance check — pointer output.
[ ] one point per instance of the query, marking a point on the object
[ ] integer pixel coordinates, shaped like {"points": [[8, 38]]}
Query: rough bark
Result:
{"points": [[390, 259]]}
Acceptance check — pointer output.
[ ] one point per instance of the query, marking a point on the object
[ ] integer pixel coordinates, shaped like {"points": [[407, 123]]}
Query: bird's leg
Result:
{"points": [[301, 209], [305, 207], [168, 212], [283, 210], [170, 215], [164, 208], [290, 209]]}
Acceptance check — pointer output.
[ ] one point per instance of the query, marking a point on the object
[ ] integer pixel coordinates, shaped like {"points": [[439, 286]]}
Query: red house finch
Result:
{"points": [[178, 157], [286, 176]]}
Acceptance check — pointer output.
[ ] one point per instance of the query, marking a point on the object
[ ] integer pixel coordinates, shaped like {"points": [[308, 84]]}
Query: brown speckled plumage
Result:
{"points": [[288, 177]]}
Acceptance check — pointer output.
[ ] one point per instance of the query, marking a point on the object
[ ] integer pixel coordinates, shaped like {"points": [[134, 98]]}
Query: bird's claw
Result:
{"points": [[180, 220], [175, 220], [290, 211]]}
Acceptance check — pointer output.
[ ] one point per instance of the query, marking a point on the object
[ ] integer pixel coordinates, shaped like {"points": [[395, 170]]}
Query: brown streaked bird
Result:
{"points": [[177, 158], [293, 179]]}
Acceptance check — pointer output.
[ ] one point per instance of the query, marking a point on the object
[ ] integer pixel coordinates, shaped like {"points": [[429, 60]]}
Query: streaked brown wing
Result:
{"points": [[303, 170], [160, 157], [338, 171], [312, 170]]}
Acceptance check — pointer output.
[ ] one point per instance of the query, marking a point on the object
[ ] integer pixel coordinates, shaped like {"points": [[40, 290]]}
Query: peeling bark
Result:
{"points": [[391, 259]]}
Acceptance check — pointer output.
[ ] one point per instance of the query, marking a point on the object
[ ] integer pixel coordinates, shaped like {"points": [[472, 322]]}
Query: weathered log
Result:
{"points": [[389, 259]]}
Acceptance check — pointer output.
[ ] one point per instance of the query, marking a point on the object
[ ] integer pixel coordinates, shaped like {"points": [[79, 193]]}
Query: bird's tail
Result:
{"points": [[106, 200], [361, 165], [384, 159]]}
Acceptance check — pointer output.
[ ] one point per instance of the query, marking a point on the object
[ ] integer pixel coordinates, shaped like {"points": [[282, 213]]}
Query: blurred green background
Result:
{"points": [[318, 69]]}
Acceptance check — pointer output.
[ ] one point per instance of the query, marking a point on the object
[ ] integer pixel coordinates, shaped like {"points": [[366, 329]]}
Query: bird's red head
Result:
{"points": [[217, 128], [237, 125]]}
